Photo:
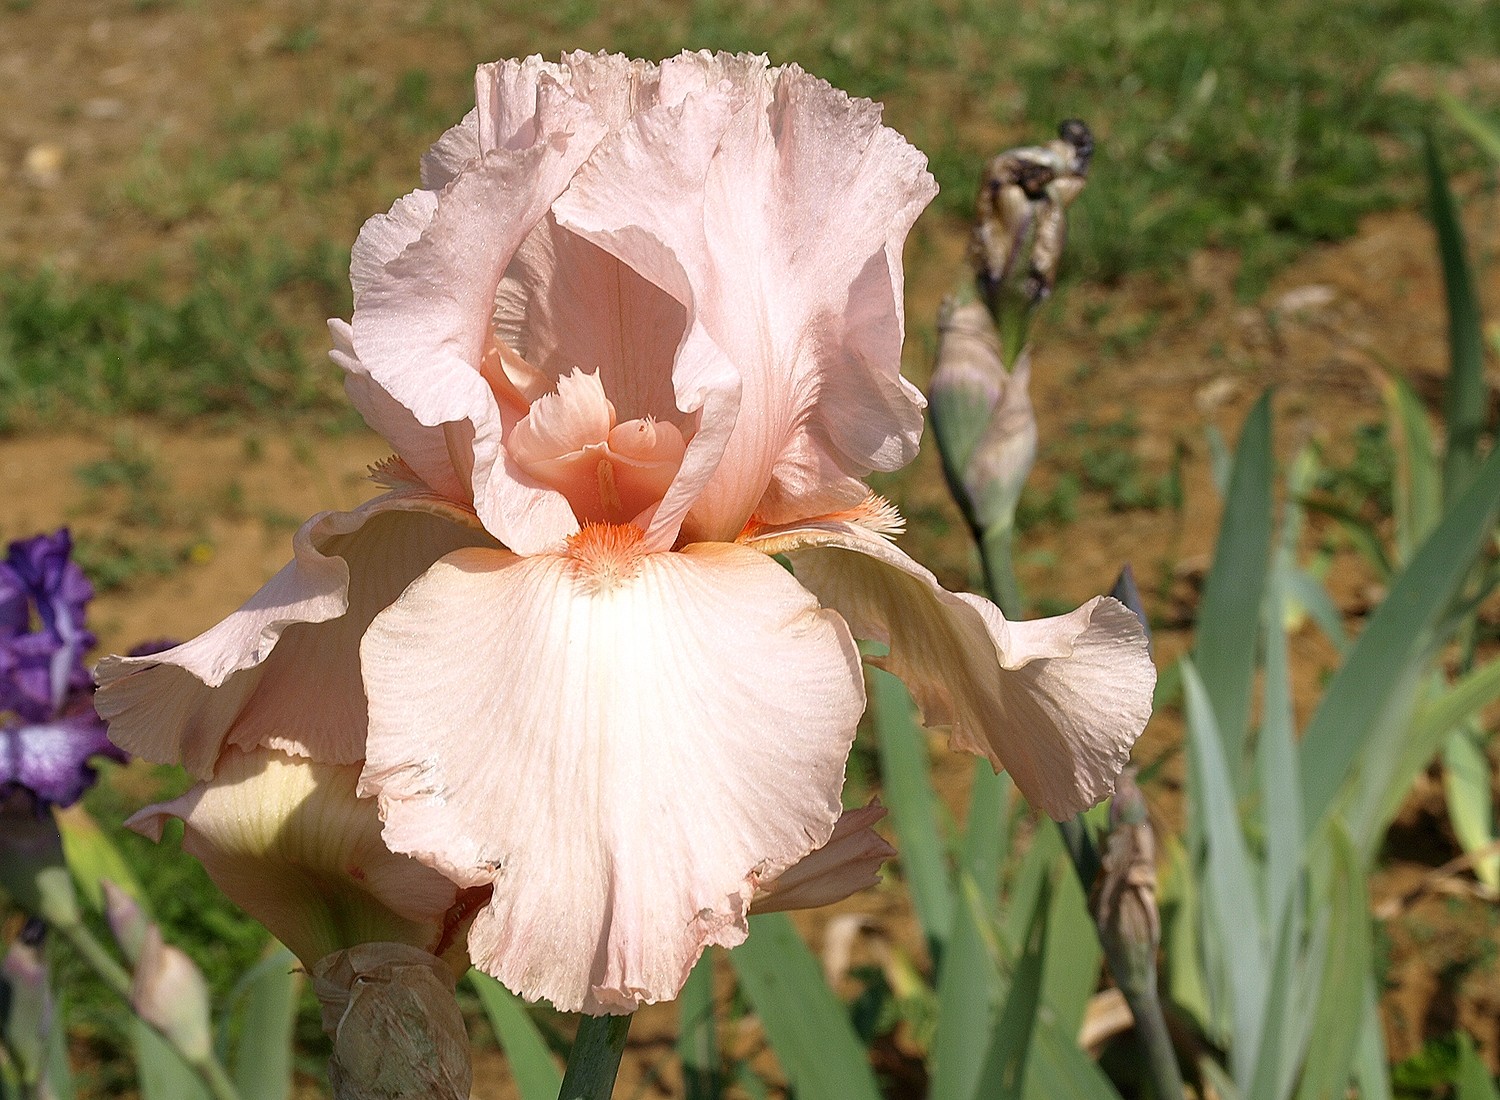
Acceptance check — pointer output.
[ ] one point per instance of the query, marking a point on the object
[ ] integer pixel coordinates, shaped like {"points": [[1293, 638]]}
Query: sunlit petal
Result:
{"points": [[283, 670], [622, 743], [1056, 702]]}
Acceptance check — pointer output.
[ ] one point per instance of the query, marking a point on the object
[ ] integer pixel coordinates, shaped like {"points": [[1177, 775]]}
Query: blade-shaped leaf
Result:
{"points": [[1279, 785], [1229, 613], [1181, 905], [1058, 1070], [1418, 488], [531, 1063], [160, 1071], [1473, 1081], [1471, 805], [1003, 1074], [1424, 736], [986, 830], [806, 1025], [1372, 1071], [1281, 1048], [1337, 1021], [1070, 972], [968, 991], [1484, 132], [93, 857], [697, 1038], [1464, 396], [1230, 878], [906, 787], [1362, 715], [262, 1065]]}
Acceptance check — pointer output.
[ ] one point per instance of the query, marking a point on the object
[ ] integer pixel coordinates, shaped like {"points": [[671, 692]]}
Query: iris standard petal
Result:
{"points": [[422, 325], [789, 239], [622, 743]]}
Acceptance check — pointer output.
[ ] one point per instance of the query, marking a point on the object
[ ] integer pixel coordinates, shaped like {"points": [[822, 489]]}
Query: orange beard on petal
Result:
{"points": [[606, 555]]}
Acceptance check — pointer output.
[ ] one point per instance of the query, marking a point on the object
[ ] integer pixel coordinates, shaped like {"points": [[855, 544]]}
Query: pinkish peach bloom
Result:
{"points": [[848, 863], [639, 330]]}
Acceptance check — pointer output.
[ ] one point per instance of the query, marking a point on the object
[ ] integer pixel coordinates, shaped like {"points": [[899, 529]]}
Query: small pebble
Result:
{"points": [[43, 165]]}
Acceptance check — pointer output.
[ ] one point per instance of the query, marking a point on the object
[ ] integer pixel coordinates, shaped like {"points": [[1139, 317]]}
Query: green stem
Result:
{"points": [[999, 568], [1151, 1028], [100, 961], [595, 1058]]}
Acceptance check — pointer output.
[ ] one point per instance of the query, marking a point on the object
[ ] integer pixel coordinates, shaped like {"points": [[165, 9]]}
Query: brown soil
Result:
{"points": [[1174, 354]]}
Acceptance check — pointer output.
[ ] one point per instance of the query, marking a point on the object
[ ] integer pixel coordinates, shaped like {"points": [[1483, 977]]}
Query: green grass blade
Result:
{"points": [[1277, 779], [1377, 683], [1003, 1075], [1230, 877], [986, 831], [1058, 1070], [968, 990], [531, 1063], [1418, 488], [806, 1025], [906, 788], [262, 1064], [1484, 133], [1473, 1081], [1464, 398], [697, 1038], [1471, 805], [1229, 613], [1337, 1022]]}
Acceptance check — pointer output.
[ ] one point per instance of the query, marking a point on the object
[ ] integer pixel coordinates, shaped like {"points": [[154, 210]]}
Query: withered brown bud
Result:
{"points": [[1023, 199], [1124, 896], [396, 1028]]}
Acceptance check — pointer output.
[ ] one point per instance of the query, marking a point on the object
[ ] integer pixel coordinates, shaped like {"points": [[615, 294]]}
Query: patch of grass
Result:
{"points": [[1260, 127], [1364, 485], [236, 342], [148, 531]]}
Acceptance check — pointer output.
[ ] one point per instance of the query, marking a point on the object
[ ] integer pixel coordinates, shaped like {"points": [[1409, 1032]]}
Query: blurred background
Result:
{"points": [[183, 180]]}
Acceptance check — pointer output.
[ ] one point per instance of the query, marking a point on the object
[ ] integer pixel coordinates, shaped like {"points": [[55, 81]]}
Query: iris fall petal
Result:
{"points": [[283, 670], [1056, 702], [622, 747]]}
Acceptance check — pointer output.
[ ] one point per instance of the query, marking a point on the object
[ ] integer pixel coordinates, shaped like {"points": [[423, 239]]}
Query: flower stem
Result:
{"points": [[595, 1058], [220, 1087], [999, 568]]}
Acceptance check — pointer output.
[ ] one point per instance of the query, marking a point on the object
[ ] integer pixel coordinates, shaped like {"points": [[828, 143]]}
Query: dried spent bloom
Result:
{"points": [[638, 331], [396, 1028], [48, 728]]}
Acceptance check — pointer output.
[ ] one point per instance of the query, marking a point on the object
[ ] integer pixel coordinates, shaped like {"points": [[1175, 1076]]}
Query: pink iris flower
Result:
{"points": [[638, 331]]}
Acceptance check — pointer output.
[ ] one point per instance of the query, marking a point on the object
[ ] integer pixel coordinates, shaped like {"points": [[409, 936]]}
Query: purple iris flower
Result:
{"points": [[48, 727]]}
